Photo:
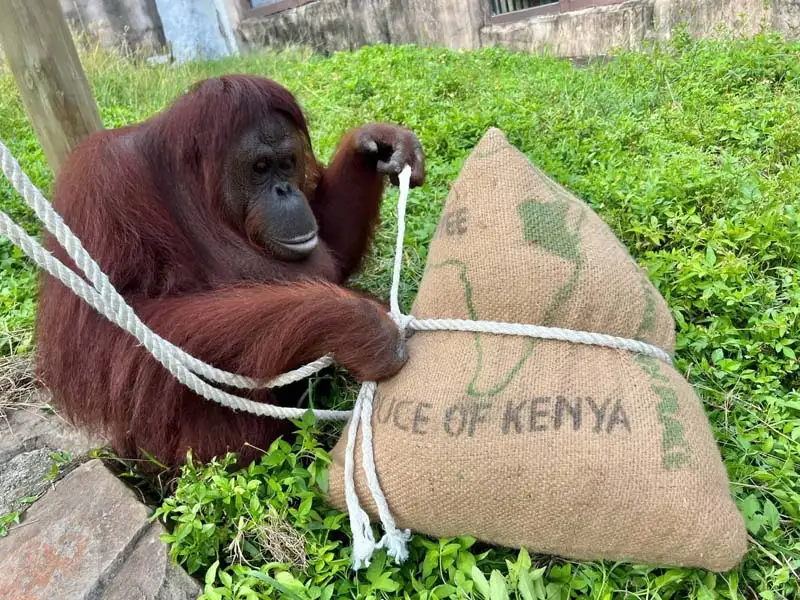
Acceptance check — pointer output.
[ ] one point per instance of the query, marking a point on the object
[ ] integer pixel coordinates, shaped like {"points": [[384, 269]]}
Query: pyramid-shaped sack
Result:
{"points": [[575, 450]]}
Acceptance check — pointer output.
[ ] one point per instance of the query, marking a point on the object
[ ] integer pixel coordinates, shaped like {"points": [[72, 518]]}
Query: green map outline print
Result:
{"points": [[648, 323], [543, 223], [649, 316], [676, 452]]}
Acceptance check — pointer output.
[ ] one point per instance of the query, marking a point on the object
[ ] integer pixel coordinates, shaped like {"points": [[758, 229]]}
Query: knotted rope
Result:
{"points": [[102, 296]]}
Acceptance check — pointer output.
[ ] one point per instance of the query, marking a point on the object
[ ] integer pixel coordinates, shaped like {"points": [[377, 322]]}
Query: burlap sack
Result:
{"points": [[579, 451]]}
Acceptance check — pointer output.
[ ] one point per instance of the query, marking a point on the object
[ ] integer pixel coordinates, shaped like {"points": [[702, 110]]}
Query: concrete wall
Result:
{"points": [[592, 31], [134, 23], [195, 29], [786, 17], [324, 26], [744, 17], [449, 23], [597, 31], [190, 28], [213, 28], [330, 25]]}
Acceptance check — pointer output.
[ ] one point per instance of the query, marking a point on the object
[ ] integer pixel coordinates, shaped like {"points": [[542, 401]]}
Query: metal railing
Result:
{"points": [[263, 8], [501, 7]]}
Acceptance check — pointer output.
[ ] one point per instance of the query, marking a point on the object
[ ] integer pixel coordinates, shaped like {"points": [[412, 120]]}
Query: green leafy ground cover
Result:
{"points": [[689, 152]]}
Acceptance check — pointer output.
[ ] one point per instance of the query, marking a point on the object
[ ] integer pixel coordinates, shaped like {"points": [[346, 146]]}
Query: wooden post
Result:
{"points": [[41, 53]]}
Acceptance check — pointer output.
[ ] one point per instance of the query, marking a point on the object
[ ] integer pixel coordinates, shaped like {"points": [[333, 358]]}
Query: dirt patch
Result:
{"points": [[19, 386]]}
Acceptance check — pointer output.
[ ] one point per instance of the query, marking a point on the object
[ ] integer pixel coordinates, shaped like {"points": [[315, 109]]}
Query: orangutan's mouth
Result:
{"points": [[301, 245]]}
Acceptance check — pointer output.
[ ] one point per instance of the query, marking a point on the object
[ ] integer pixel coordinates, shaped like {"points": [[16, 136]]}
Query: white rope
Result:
{"points": [[542, 332], [102, 296], [394, 540], [363, 540], [107, 301]]}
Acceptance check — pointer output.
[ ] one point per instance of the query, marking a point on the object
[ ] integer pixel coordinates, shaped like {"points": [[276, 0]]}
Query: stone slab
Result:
{"points": [[150, 574], [23, 476], [75, 543], [31, 428]]}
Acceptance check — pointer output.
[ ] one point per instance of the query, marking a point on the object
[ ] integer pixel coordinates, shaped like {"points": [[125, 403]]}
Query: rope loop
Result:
{"points": [[402, 321]]}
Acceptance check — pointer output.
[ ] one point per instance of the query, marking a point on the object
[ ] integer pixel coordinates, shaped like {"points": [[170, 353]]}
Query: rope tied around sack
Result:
{"points": [[101, 295]]}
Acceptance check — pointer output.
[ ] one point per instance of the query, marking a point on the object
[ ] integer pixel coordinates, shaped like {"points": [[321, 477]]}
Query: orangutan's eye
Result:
{"points": [[287, 164]]}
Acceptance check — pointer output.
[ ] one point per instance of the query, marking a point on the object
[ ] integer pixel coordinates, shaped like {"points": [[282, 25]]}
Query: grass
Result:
{"points": [[689, 152]]}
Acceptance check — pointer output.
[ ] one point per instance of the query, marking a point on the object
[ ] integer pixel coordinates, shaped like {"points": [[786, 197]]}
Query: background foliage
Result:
{"points": [[690, 152]]}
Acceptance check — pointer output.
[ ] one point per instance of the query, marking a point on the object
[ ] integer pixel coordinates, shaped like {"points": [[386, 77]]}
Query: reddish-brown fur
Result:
{"points": [[145, 201]]}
